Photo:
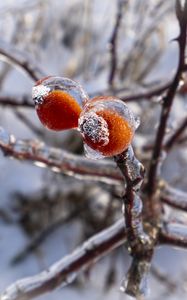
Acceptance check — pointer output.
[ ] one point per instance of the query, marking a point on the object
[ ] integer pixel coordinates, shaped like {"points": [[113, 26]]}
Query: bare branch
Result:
{"points": [[113, 43], [174, 235], [176, 135], [140, 244], [26, 101], [167, 103], [133, 171], [58, 160], [175, 138], [64, 271], [140, 96], [14, 101], [174, 197], [21, 60]]}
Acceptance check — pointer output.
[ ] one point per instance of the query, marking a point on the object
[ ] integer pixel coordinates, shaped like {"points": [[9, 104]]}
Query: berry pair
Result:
{"points": [[106, 123]]}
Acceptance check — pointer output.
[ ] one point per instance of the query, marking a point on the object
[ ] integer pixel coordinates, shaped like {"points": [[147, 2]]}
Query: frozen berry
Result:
{"points": [[107, 126], [58, 102]]}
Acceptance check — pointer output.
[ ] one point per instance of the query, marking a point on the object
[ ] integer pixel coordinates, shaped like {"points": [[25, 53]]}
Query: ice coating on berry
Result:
{"points": [[58, 102], [116, 104], [51, 83], [94, 128], [39, 92], [120, 124], [59, 111]]}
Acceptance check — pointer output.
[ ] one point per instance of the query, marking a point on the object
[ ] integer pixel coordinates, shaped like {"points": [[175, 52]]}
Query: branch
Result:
{"points": [[20, 59], [64, 271], [148, 94], [168, 100], [174, 197], [140, 244], [176, 135], [58, 160], [133, 172], [26, 101], [174, 235], [175, 138], [182, 140], [113, 43], [16, 101], [140, 96]]}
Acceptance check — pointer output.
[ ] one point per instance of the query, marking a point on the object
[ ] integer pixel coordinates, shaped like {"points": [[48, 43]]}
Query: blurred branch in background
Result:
{"points": [[21, 60], [58, 160], [65, 271]]}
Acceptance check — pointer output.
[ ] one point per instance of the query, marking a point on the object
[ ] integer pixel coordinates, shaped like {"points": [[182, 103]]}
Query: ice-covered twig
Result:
{"points": [[139, 243], [113, 42], [138, 96], [175, 138], [136, 282], [174, 197], [16, 101], [64, 271], [25, 100], [174, 235], [133, 172], [176, 135], [58, 160], [168, 99], [21, 60]]}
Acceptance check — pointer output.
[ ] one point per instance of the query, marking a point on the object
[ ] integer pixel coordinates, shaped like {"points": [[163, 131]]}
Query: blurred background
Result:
{"points": [[52, 213]]}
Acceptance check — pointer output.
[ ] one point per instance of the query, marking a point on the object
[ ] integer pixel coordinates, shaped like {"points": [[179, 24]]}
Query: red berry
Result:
{"points": [[120, 134], [59, 111], [58, 102], [107, 127]]}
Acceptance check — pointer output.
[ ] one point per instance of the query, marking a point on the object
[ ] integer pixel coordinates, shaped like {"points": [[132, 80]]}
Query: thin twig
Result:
{"points": [[167, 103], [174, 197], [174, 235], [174, 139], [26, 101], [58, 160], [16, 101], [20, 59], [176, 135], [64, 271], [113, 43], [140, 96]]}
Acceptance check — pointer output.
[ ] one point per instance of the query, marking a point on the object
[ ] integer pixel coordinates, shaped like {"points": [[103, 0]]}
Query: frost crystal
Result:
{"points": [[95, 128], [38, 92]]}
